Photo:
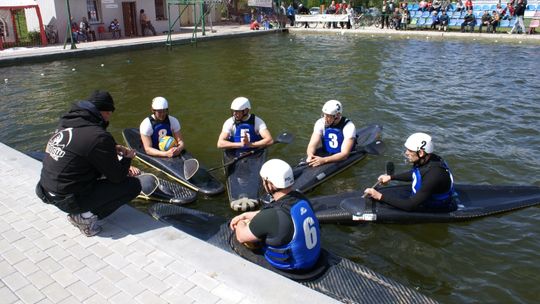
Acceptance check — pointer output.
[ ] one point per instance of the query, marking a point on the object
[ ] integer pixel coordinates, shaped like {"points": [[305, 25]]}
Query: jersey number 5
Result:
{"points": [[310, 232]]}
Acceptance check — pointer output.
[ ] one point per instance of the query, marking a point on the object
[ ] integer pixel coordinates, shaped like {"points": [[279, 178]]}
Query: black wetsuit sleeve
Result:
{"points": [[272, 226], [104, 158], [434, 181], [404, 176]]}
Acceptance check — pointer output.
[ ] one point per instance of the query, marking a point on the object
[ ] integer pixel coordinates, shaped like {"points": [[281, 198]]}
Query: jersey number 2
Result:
{"points": [[310, 232]]}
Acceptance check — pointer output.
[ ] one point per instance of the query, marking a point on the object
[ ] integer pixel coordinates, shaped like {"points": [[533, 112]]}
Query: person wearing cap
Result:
{"points": [[244, 131], [160, 124], [432, 183], [85, 172], [287, 229], [335, 133]]}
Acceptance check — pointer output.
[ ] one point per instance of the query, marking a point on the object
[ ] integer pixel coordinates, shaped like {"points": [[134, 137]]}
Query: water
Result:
{"points": [[479, 100]]}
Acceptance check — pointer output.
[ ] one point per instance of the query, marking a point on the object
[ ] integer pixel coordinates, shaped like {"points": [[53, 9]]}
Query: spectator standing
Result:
{"points": [[302, 10], [332, 9], [405, 17], [519, 13], [290, 14], [468, 21], [396, 18], [350, 14], [145, 23], [385, 15], [486, 21]]}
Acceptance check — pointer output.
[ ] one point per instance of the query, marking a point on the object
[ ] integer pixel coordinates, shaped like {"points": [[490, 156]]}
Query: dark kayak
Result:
{"points": [[473, 201], [152, 187], [368, 142], [334, 276], [243, 181], [202, 182]]}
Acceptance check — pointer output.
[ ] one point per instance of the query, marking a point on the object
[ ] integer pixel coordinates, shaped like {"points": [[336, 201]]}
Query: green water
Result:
{"points": [[479, 101]]}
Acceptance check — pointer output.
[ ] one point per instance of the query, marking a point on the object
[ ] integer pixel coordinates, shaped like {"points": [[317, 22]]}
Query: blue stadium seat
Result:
{"points": [[463, 13], [453, 22], [478, 22], [456, 15], [493, 7], [476, 7], [513, 22], [451, 7], [503, 5], [415, 7], [531, 7], [485, 7], [414, 21], [425, 14], [504, 23], [419, 14], [421, 22]]}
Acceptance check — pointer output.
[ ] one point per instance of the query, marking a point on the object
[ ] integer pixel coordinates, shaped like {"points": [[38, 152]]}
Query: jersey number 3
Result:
{"points": [[333, 143], [310, 232]]}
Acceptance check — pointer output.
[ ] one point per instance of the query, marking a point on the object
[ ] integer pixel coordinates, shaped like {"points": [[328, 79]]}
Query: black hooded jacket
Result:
{"points": [[80, 152]]}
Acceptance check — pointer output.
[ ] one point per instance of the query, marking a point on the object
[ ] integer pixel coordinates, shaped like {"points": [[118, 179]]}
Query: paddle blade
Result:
{"points": [[376, 148], [390, 168], [191, 166], [285, 138]]}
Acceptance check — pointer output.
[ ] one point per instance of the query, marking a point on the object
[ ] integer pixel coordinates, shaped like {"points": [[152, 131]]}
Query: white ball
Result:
{"points": [[5, 80], [42, 74], [73, 69], [102, 65]]}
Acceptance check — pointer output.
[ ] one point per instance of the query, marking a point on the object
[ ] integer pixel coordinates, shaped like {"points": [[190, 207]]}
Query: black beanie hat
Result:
{"points": [[102, 100]]}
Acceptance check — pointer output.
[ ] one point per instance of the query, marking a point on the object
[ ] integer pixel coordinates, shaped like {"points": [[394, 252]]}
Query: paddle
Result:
{"points": [[389, 171], [283, 138]]}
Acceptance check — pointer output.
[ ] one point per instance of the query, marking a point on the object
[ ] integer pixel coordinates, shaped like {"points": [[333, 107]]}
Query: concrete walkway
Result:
{"points": [[44, 259]]}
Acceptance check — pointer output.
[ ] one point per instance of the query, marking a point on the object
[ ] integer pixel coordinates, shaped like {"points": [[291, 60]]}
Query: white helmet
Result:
{"points": [[419, 141], [240, 103], [159, 103], [332, 107], [278, 172]]}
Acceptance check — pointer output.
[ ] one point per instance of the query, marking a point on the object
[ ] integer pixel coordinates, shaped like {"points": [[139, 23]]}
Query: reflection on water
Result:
{"points": [[478, 100]]}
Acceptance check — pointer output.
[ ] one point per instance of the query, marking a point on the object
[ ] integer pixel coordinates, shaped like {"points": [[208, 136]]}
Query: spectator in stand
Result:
{"points": [[436, 6], [519, 13], [500, 10], [290, 14], [385, 15], [422, 5], [459, 6], [74, 32], [254, 25], [468, 5], [494, 22], [486, 21], [86, 30], [114, 27], [396, 19], [429, 4], [435, 21], [302, 10], [443, 21], [508, 12], [405, 17], [468, 21]]}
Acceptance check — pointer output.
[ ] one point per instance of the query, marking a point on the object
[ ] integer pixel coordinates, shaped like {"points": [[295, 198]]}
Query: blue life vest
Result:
{"points": [[333, 136], [160, 129], [436, 200], [245, 128], [303, 251]]}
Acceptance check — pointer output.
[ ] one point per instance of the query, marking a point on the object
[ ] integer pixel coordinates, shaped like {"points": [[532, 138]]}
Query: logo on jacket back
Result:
{"points": [[58, 142]]}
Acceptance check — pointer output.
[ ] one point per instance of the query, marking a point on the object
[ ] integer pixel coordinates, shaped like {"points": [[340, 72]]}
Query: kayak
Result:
{"points": [[474, 201], [368, 141], [202, 182], [243, 181], [153, 188], [333, 275]]}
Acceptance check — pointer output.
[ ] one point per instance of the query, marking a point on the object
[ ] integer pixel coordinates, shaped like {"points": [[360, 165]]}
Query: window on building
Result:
{"points": [[160, 9], [93, 8]]}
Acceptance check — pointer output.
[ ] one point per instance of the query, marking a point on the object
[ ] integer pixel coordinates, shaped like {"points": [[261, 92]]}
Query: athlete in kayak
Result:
{"points": [[160, 124], [244, 131], [432, 182], [286, 228], [336, 133]]}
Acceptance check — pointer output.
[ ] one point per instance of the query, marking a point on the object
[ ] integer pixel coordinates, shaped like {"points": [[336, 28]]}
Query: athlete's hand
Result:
{"points": [[385, 178], [316, 161], [133, 171], [373, 193], [245, 141]]}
